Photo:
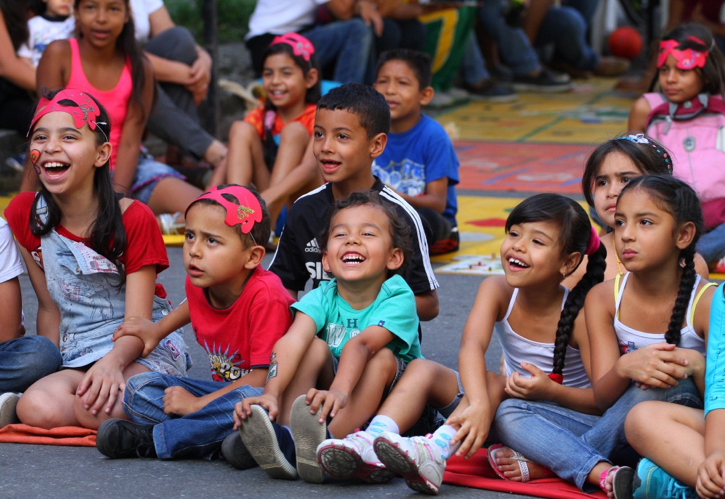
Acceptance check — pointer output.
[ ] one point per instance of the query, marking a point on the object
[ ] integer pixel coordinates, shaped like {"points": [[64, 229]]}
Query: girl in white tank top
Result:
{"points": [[657, 224]]}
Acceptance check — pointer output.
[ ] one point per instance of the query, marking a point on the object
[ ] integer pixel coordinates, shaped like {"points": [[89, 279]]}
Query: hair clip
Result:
{"points": [[594, 242], [636, 138], [301, 46]]}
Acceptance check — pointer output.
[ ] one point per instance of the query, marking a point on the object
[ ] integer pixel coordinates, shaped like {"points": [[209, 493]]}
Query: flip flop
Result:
{"points": [[520, 460]]}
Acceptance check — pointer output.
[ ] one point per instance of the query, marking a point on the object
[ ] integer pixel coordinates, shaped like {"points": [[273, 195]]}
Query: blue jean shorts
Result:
{"points": [[149, 173]]}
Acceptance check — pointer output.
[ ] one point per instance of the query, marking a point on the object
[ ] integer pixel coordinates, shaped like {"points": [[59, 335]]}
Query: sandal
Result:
{"points": [[520, 460], [169, 223], [622, 482]]}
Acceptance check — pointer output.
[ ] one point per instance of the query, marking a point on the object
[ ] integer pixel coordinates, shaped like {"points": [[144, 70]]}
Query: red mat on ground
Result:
{"points": [[477, 473], [521, 167], [65, 435]]}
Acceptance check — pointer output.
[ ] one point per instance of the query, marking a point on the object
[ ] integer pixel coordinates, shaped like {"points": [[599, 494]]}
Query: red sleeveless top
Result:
{"points": [[115, 100]]}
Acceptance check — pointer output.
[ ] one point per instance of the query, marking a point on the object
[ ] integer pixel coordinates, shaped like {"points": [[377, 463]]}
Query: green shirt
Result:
{"points": [[393, 309]]}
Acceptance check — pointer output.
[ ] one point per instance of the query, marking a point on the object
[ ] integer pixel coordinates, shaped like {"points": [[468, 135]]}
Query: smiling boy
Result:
{"points": [[350, 132]]}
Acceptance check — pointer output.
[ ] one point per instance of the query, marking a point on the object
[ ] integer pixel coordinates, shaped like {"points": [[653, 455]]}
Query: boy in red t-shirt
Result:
{"points": [[237, 310]]}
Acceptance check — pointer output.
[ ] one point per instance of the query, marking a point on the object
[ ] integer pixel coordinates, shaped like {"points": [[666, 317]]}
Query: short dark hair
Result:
{"points": [[418, 62], [367, 103], [261, 230], [399, 230]]}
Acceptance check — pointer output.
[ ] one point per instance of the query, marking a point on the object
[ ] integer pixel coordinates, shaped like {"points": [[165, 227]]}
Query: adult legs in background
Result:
{"points": [[347, 45], [25, 360]]}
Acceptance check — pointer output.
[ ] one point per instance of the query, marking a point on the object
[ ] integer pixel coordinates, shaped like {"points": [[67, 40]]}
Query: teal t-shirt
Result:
{"points": [[337, 322]]}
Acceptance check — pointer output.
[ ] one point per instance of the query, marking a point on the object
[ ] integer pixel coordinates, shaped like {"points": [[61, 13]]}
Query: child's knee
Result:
{"points": [[294, 132], [35, 408], [383, 361], [241, 130], [639, 419]]}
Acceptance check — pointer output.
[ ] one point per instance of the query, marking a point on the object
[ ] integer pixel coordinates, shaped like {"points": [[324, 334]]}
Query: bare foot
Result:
{"points": [[512, 465]]}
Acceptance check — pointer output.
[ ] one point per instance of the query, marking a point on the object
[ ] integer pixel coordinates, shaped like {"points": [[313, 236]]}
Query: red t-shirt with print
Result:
{"points": [[240, 338]]}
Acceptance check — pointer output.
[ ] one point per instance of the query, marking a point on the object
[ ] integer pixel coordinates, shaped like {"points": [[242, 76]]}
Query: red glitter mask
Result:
{"points": [[87, 110], [246, 213], [686, 59]]}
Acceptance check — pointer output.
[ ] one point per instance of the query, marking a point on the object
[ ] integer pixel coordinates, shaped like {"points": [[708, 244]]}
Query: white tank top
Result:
{"points": [[517, 349], [631, 339]]}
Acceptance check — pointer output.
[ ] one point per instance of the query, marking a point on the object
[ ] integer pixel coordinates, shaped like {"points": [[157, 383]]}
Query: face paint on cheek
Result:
{"points": [[34, 157]]}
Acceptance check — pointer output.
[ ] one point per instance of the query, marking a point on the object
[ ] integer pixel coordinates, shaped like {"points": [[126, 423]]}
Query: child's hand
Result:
{"points": [[101, 386], [534, 388], [144, 329], [657, 365], [243, 409], [179, 402], [711, 476], [330, 400], [475, 422]]}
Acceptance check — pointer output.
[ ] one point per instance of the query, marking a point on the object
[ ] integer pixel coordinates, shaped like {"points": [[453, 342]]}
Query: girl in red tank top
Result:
{"points": [[105, 61]]}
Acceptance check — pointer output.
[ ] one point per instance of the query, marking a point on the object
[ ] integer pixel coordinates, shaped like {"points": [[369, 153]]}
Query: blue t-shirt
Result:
{"points": [[715, 365], [337, 322], [417, 157]]}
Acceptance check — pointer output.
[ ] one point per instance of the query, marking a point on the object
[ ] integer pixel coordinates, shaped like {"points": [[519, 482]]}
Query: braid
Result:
{"points": [[574, 302], [683, 297]]}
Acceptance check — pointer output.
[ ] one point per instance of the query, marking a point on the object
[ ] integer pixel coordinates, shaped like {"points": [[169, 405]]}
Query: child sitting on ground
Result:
{"points": [[237, 310], [270, 143], [23, 359], [419, 161], [350, 132], [56, 23], [350, 342]]}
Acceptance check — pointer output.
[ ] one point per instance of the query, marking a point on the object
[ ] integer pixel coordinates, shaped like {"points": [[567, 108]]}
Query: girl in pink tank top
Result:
{"points": [[105, 61]]}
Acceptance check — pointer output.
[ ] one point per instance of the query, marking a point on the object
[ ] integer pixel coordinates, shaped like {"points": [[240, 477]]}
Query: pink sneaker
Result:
{"points": [[352, 457], [414, 459]]}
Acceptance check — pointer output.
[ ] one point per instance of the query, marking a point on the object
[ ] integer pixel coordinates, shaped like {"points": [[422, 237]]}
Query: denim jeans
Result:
{"points": [[473, 65], [712, 244], [571, 443], [25, 360], [515, 49], [566, 28], [199, 434], [346, 44]]}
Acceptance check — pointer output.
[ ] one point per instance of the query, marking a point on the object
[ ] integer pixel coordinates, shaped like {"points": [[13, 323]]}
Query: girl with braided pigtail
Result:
{"points": [[546, 237], [656, 226]]}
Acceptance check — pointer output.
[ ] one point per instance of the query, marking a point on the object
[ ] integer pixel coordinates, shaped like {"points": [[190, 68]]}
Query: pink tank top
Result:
{"points": [[115, 101]]}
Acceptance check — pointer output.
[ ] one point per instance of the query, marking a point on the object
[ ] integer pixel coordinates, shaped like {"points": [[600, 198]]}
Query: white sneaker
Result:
{"points": [[414, 458], [8, 401], [353, 457]]}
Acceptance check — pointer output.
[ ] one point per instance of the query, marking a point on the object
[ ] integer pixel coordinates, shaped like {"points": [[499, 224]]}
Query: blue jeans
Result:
{"points": [[346, 44], [513, 45], [571, 443], [566, 29], [473, 65], [712, 244], [25, 360], [199, 434]]}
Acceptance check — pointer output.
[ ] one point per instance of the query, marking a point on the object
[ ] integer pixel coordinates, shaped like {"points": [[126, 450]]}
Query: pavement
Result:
{"points": [[507, 152]]}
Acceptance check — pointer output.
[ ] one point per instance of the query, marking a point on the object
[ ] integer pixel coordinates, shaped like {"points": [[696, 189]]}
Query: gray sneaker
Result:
{"points": [[489, 91], [236, 453], [543, 82], [308, 434], [8, 401]]}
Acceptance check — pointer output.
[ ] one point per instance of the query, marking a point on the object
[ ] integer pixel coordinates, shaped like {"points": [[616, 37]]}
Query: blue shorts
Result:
{"points": [[149, 173]]}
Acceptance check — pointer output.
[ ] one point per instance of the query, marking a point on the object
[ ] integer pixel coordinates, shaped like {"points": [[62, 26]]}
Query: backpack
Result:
{"points": [[694, 134]]}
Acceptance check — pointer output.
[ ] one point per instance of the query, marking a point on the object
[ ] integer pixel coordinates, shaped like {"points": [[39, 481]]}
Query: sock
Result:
{"points": [[381, 423], [442, 440], [285, 442]]}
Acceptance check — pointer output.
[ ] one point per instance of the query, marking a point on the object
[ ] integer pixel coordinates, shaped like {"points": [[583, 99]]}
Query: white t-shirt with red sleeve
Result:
{"points": [[144, 243], [241, 337]]}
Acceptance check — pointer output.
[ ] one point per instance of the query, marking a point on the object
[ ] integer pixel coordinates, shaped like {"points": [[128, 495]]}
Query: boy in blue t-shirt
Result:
{"points": [[419, 161], [348, 345]]}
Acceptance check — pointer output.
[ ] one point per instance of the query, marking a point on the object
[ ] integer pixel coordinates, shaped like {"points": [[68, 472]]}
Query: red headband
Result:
{"points": [[687, 58], [86, 112], [594, 242], [301, 46], [246, 213]]}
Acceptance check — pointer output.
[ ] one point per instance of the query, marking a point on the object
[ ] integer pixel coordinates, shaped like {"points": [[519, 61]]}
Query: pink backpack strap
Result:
{"points": [[658, 105]]}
